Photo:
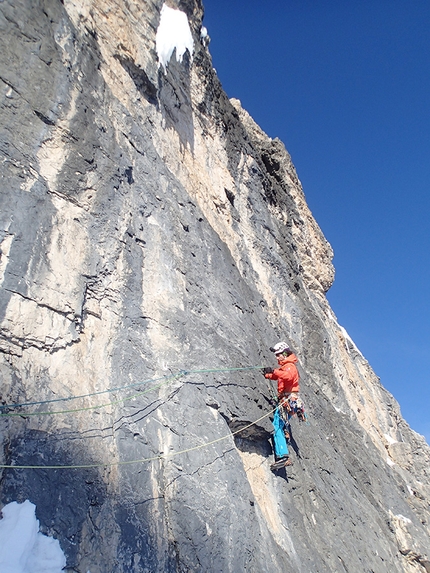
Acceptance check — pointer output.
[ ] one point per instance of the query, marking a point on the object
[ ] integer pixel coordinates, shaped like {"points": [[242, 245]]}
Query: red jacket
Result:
{"points": [[287, 376]]}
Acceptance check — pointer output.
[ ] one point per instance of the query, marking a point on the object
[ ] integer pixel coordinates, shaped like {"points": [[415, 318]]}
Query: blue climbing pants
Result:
{"points": [[280, 443]]}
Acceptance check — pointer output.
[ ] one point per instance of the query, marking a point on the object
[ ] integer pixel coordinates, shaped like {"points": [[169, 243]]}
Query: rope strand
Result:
{"points": [[97, 406], [142, 460], [109, 390]]}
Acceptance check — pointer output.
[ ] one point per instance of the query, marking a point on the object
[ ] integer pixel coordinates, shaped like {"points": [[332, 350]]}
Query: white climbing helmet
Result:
{"points": [[280, 347]]}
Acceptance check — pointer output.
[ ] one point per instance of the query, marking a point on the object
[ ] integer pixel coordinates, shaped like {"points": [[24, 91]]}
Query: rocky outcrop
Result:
{"points": [[154, 240]]}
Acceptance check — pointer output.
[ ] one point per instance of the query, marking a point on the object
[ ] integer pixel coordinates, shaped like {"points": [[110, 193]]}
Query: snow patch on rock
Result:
{"points": [[23, 549], [173, 33], [389, 439], [403, 518], [349, 340]]}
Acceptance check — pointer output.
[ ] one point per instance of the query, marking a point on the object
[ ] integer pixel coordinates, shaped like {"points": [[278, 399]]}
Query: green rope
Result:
{"points": [[166, 380], [105, 405], [67, 398], [142, 460]]}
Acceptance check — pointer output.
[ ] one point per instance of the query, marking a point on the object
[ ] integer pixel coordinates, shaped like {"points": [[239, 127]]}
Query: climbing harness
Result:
{"points": [[292, 405]]}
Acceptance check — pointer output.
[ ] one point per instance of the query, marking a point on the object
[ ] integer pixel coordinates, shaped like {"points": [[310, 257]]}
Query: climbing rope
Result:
{"points": [[109, 390], [142, 460], [97, 406], [67, 398]]}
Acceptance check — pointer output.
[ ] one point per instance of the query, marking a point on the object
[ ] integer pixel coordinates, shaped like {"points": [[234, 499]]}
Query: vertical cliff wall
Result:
{"points": [[153, 241]]}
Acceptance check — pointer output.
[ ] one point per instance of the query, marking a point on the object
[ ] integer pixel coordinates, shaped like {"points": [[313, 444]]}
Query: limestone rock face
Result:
{"points": [[154, 240]]}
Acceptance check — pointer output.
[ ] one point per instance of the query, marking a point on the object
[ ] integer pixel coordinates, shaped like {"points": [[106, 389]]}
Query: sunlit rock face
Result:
{"points": [[153, 238]]}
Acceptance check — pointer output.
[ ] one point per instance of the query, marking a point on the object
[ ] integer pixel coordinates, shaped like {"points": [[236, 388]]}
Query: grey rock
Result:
{"points": [[149, 228]]}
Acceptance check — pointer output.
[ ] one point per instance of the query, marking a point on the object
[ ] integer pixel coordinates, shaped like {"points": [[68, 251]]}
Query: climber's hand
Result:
{"points": [[267, 370]]}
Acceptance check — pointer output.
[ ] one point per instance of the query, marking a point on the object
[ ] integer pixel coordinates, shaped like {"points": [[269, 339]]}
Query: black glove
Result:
{"points": [[267, 370]]}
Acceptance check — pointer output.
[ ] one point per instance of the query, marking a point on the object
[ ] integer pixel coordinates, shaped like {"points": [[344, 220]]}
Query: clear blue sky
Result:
{"points": [[345, 84]]}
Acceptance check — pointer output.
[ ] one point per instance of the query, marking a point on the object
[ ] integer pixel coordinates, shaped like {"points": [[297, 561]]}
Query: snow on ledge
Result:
{"points": [[23, 549], [390, 462], [389, 439], [403, 518], [173, 32], [347, 339], [345, 335]]}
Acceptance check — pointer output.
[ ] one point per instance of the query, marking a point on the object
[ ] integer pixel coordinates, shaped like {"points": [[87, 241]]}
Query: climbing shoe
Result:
{"points": [[301, 415], [281, 463]]}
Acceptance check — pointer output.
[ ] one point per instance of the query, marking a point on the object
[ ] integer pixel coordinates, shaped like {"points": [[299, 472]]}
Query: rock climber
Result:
{"points": [[289, 402]]}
